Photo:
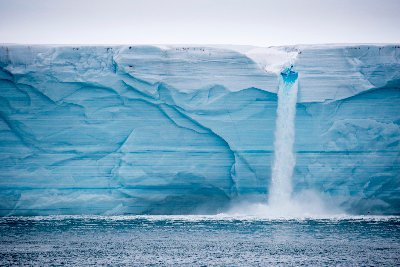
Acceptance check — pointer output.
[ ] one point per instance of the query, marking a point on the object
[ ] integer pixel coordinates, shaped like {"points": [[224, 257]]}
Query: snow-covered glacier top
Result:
{"points": [[326, 72]]}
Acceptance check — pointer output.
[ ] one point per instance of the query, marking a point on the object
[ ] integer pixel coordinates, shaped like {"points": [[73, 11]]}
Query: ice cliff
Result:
{"points": [[175, 129]]}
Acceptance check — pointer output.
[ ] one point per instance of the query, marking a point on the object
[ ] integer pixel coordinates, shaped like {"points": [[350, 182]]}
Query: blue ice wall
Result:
{"points": [[140, 129]]}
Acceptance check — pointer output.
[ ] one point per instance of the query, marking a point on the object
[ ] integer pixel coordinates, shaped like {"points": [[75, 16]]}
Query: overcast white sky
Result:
{"points": [[253, 22]]}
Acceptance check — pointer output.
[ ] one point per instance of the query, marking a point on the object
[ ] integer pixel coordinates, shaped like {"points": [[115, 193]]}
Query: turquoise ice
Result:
{"points": [[176, 130]]}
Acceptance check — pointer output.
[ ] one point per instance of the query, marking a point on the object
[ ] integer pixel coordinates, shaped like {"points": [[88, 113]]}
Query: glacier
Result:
{"points": [[145, 129]]}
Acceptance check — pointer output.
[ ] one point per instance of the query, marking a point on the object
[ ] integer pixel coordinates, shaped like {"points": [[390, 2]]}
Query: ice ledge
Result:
{"points": [[326, 72]]}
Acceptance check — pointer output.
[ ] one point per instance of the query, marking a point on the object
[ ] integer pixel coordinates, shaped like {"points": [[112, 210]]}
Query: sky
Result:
{"points": [[245, 22]]}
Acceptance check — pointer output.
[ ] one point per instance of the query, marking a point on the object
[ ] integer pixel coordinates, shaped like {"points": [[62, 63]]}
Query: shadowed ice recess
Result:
{"points": [[194, 130]]}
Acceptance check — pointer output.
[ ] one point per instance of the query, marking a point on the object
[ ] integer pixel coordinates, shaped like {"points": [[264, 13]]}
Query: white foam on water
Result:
{"points": [[196, 218]]}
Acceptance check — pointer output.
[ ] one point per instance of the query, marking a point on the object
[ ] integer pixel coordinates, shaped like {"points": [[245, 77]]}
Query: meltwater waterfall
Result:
{"points": [[284, 160], [282, 201]]}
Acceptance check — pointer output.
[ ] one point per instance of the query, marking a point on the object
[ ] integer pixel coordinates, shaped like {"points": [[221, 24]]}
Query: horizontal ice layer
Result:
{"points": [[341, 72], [142, 129], [350, 149]]}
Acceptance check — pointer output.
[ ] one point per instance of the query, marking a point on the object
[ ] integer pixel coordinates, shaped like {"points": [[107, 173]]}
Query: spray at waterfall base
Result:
{"points": [[281, 200]]}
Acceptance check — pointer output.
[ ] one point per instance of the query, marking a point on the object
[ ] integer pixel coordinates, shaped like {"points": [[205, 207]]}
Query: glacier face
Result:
{"points": [[172, 130]]}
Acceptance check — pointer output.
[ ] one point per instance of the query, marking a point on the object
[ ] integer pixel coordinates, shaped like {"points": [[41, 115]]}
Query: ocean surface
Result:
{"points": [[199, 241]]}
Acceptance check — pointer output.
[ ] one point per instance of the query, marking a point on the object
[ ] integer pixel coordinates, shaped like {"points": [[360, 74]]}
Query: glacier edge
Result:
{"points": [[139, 129]]}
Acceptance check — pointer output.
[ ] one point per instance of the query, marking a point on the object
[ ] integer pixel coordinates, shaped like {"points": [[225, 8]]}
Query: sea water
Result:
{"points": [[199, 241]]}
